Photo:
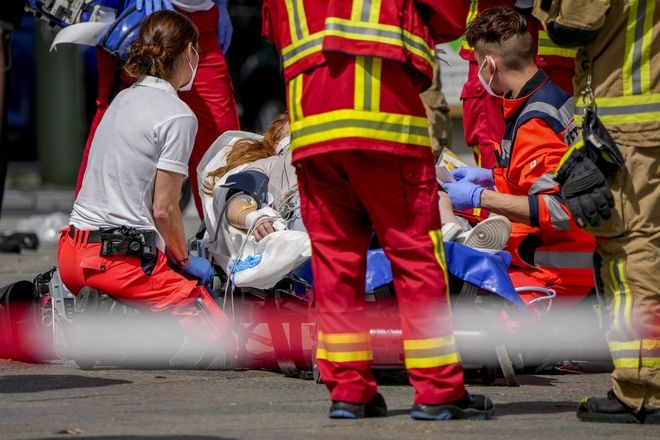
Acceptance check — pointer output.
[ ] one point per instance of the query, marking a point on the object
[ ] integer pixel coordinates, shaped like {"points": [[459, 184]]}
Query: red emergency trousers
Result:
{"points": [[351, 186], [211, 97], [80, 264]]}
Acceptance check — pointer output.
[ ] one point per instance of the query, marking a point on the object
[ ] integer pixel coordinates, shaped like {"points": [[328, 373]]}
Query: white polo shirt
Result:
{"points": [[146, 127]]}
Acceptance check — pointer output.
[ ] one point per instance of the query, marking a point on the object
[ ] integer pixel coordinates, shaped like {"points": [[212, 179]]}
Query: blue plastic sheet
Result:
{"points": [[379, 269], [486, 271]]}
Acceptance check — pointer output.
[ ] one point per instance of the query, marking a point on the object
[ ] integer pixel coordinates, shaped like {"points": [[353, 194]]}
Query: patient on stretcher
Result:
{"points": [[252, 215]]}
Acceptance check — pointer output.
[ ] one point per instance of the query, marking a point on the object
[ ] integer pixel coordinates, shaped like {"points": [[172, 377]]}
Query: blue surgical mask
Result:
{"points": [[481, 78]]}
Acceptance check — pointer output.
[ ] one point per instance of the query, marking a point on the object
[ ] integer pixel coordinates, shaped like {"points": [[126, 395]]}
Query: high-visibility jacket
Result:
{"points": [[304, 31], [548, 53], [375, 56], [624, 63], [539, 129]]}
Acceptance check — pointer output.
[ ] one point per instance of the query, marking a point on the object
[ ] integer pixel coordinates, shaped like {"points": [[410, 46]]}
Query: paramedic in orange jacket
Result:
{"points": [[360, 142], [483, 124], [549, 249]]}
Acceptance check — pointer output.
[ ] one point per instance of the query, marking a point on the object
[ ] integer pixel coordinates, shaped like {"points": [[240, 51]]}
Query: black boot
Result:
{"points": [[470, 406], [612, 410], [376, 407]]}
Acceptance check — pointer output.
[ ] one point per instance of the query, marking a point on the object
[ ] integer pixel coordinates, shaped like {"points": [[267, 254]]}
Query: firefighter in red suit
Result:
{"points": [[359, 135], [483, 120], [212, 95]]}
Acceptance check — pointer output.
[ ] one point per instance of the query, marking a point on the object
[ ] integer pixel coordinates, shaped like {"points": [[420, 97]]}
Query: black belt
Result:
{"points": [[94, 236]]}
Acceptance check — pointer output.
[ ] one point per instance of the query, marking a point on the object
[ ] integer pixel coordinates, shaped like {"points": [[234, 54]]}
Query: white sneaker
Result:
{"points": [[491, 234], [451, 231]]}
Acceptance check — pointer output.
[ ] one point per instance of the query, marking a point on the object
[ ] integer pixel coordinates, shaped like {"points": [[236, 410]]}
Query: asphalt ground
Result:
{"points": [[59, 401]]}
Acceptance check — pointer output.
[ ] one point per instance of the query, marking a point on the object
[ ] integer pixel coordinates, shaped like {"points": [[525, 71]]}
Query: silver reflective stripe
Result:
{"points": [[363, 31], [506, 148], [627, 109], [558, 217], [366, 9], [564, 114], [544, 183], [296, 19], [637, 48], [302, 47], [566, 260]]}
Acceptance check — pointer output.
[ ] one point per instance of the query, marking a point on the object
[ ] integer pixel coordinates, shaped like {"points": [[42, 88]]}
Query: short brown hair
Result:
{"points": [[503, 32], [163, 36]]}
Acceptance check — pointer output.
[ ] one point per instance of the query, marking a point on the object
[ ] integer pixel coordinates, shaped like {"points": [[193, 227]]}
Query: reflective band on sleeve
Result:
{"points": [[543, 183], [302, 48], [472, 14], [558, 216], [564, 115], [564, 260]]}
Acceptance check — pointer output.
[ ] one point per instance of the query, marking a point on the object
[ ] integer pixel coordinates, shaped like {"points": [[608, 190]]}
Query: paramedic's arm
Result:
{"points": [[167, 214], [237, 212], [536, 153], [515, 208]]}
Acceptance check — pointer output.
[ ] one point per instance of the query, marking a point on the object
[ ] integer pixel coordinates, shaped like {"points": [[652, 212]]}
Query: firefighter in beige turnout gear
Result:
{"points": [[619, 62]]}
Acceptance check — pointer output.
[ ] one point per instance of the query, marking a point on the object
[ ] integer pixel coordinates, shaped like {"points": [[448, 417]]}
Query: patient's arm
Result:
{"points": [[237, 215]]}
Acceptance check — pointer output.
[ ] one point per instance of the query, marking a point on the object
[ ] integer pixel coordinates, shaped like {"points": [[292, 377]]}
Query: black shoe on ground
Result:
{"points": [[376, 407], [612, 410], [470, 407]]}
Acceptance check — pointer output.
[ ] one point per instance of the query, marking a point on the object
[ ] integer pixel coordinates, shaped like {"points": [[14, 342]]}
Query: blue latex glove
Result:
{"points": [[464, 194], [476, 175], [152, 6], [225, 28], [199, 268]]}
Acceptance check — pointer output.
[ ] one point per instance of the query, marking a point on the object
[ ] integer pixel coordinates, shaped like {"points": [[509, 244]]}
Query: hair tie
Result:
{"points": [[146, 63]]}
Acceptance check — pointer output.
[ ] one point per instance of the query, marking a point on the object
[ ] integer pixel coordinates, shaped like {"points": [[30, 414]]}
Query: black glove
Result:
{"points": [[585, 191]]}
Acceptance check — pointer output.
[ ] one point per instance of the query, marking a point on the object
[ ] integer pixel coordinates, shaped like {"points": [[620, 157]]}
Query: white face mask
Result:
{"points": [[481, 78], [187, 86]]}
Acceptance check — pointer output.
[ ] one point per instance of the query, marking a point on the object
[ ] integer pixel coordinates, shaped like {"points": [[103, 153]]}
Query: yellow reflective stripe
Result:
{"points": [[645, 74], [435, 361], [576, 146], [297, 19], [651, 362], [637, 57], [418, 46], [625, 345], [374, 11], [338, 124], [344, 338], [625, 110], [616, 300], [295, 97], [367, 83], [650, 344], [360, 74], [630, 48], [548, 47], [626, 363], [627, 310], [425, 344], [356, 10], [472, 14], [439, 252], [344, 347], [302, 48], [345, 356], [379, 33]]}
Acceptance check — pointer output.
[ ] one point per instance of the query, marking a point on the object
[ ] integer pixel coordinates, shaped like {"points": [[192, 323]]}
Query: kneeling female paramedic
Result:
{"points": [[125, 235]]}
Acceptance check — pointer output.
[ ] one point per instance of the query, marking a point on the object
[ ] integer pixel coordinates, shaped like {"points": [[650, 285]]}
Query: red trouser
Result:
{"points": [[211, 97], [122, 277], [343, 194]]}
